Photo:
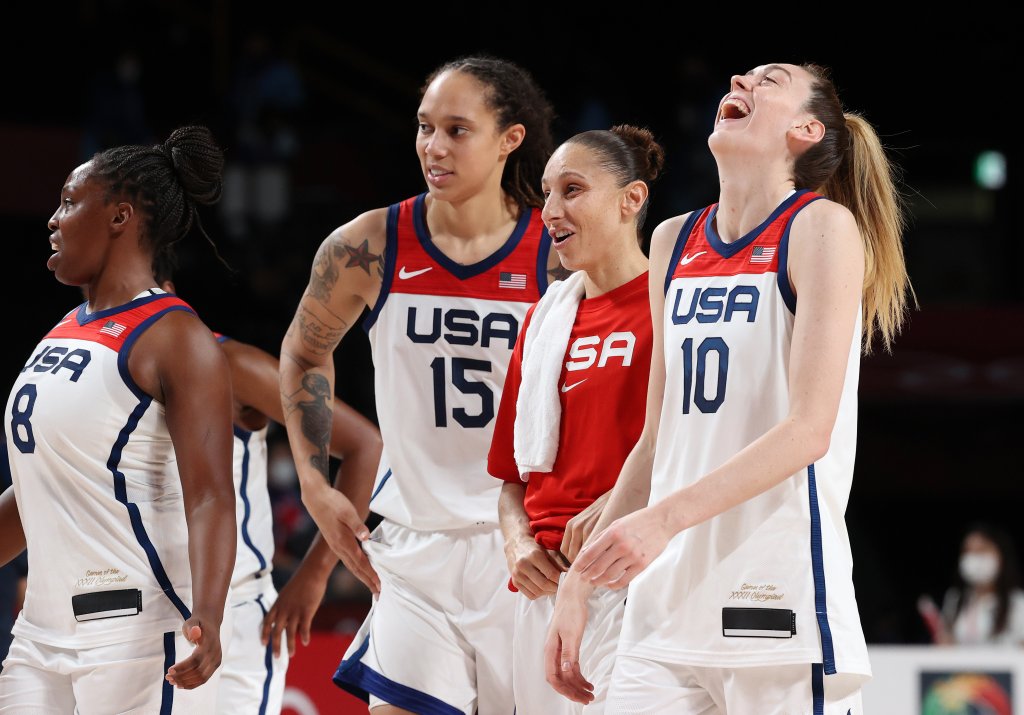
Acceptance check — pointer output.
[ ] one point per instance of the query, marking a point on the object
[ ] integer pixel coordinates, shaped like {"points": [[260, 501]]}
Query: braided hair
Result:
{"points": [[166, 183]]}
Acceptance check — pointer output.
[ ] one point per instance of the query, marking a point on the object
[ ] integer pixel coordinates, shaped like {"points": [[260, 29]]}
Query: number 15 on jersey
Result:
{"points": [[458, 372]]}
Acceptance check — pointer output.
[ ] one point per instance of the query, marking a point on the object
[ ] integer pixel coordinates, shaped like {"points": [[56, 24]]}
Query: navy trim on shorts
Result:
{"points": [[244, 436], [354, 677], [818, 570], [268, 662], [390, 258], [167, 690], [817, 689]]}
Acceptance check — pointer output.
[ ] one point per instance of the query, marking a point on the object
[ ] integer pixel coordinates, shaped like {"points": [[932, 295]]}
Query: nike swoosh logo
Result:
{"points": [[689, 259], [63, 322], [566, 387], [403, 274]]}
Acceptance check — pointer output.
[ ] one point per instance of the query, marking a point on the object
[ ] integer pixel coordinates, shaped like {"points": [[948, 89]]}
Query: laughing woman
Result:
{"points": [[727, 522]]}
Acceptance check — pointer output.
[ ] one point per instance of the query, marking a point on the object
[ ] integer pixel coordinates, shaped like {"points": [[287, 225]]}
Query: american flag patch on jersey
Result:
{"points": [[762, 254], [511, 280], [112, 328]]}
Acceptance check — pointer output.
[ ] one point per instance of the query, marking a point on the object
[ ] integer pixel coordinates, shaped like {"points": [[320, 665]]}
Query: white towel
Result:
{"points": [[538, 408]]}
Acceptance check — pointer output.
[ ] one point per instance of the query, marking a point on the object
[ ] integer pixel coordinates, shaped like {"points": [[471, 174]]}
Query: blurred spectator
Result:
{"points": [[116, 111], [985, 604], [266, 97]]}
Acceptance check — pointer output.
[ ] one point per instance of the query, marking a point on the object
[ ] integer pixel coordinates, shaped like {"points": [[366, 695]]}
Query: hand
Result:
{"points": [[933, 620], [625, 548], [344, 532], [534, 571], [293, 611], [205, 658], [565, 634], [578, 529]]}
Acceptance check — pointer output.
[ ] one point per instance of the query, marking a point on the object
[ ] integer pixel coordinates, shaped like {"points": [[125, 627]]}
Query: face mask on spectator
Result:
{"points": [[979, 569]]}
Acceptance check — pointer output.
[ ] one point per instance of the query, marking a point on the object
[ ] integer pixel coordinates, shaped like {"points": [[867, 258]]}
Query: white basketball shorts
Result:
{"points": [[252, 677], [646, 687], [121, 678], [438, 638], [534, 696]]}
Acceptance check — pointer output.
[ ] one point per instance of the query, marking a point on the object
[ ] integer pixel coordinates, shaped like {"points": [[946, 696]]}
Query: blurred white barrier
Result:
{"points": [[945, 680]]}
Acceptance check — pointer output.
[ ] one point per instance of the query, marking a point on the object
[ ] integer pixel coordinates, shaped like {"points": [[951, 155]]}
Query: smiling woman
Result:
{"points": [[584, 347], [727, 522], [448, 276], [120, 453]]}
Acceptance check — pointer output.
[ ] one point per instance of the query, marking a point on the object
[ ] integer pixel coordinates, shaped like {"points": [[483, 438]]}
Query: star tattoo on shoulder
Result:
{"points": [[361, 257]]}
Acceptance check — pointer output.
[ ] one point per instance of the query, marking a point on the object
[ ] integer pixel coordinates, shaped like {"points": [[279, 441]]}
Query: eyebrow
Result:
{"points": [[448, 118], [566, 174], [770, 68]]}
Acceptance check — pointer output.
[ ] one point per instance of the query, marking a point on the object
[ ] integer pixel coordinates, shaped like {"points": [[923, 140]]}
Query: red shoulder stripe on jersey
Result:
{"points": [[112, 327], [758, 255], [509, 274]]}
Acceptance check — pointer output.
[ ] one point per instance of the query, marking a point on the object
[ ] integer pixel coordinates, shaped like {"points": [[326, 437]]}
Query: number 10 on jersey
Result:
{"points": [[462, 382]]}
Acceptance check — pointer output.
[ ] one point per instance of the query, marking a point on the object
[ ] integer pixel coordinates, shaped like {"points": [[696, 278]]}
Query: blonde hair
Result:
{"points": [[850, 167]]}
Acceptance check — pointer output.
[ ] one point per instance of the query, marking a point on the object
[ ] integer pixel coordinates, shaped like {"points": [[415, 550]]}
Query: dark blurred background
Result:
{"points": [[316, 114]]}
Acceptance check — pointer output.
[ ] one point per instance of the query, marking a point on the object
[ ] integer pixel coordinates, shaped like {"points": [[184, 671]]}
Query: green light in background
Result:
{"points": [[990, 170]]}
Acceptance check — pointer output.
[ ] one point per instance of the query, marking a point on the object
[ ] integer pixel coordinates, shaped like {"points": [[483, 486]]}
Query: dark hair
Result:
{"points": [[166, 182], [849, 166], [164, 266], [627, 152], [1008, 579], [515, 98]]}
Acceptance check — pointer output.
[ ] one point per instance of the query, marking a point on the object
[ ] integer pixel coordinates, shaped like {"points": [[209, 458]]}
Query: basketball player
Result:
{"points": [[119, 442], [252, 675], [727, 522], [449, 275], [596, 189]]}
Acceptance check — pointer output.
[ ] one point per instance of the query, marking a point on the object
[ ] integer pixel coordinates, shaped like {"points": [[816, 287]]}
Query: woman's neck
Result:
{"points": [[746, 199], [115, 286], [613, 272], [470, 230]]}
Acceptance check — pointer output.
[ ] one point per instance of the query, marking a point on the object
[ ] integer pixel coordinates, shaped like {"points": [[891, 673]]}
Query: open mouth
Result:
{"points": [[733, 108], [561, 236]]}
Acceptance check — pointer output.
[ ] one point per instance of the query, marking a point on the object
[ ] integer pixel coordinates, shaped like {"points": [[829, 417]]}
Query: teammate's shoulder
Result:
{"points": [[181, 325], [672, 224], [824, 215], [238, 350], [667, 231], [370, 226]]}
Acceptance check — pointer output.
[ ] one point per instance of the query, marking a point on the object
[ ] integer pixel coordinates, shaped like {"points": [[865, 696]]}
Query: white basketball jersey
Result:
{"points": [[254, 516], [770, 581], [442, 335], [97, 486], [253, 512]]}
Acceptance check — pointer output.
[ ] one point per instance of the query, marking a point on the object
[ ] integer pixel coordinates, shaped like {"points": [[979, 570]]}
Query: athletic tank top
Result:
{"points": [[603, 398], [728, 324], [442, 334], [253, 512], [97, 483]]}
